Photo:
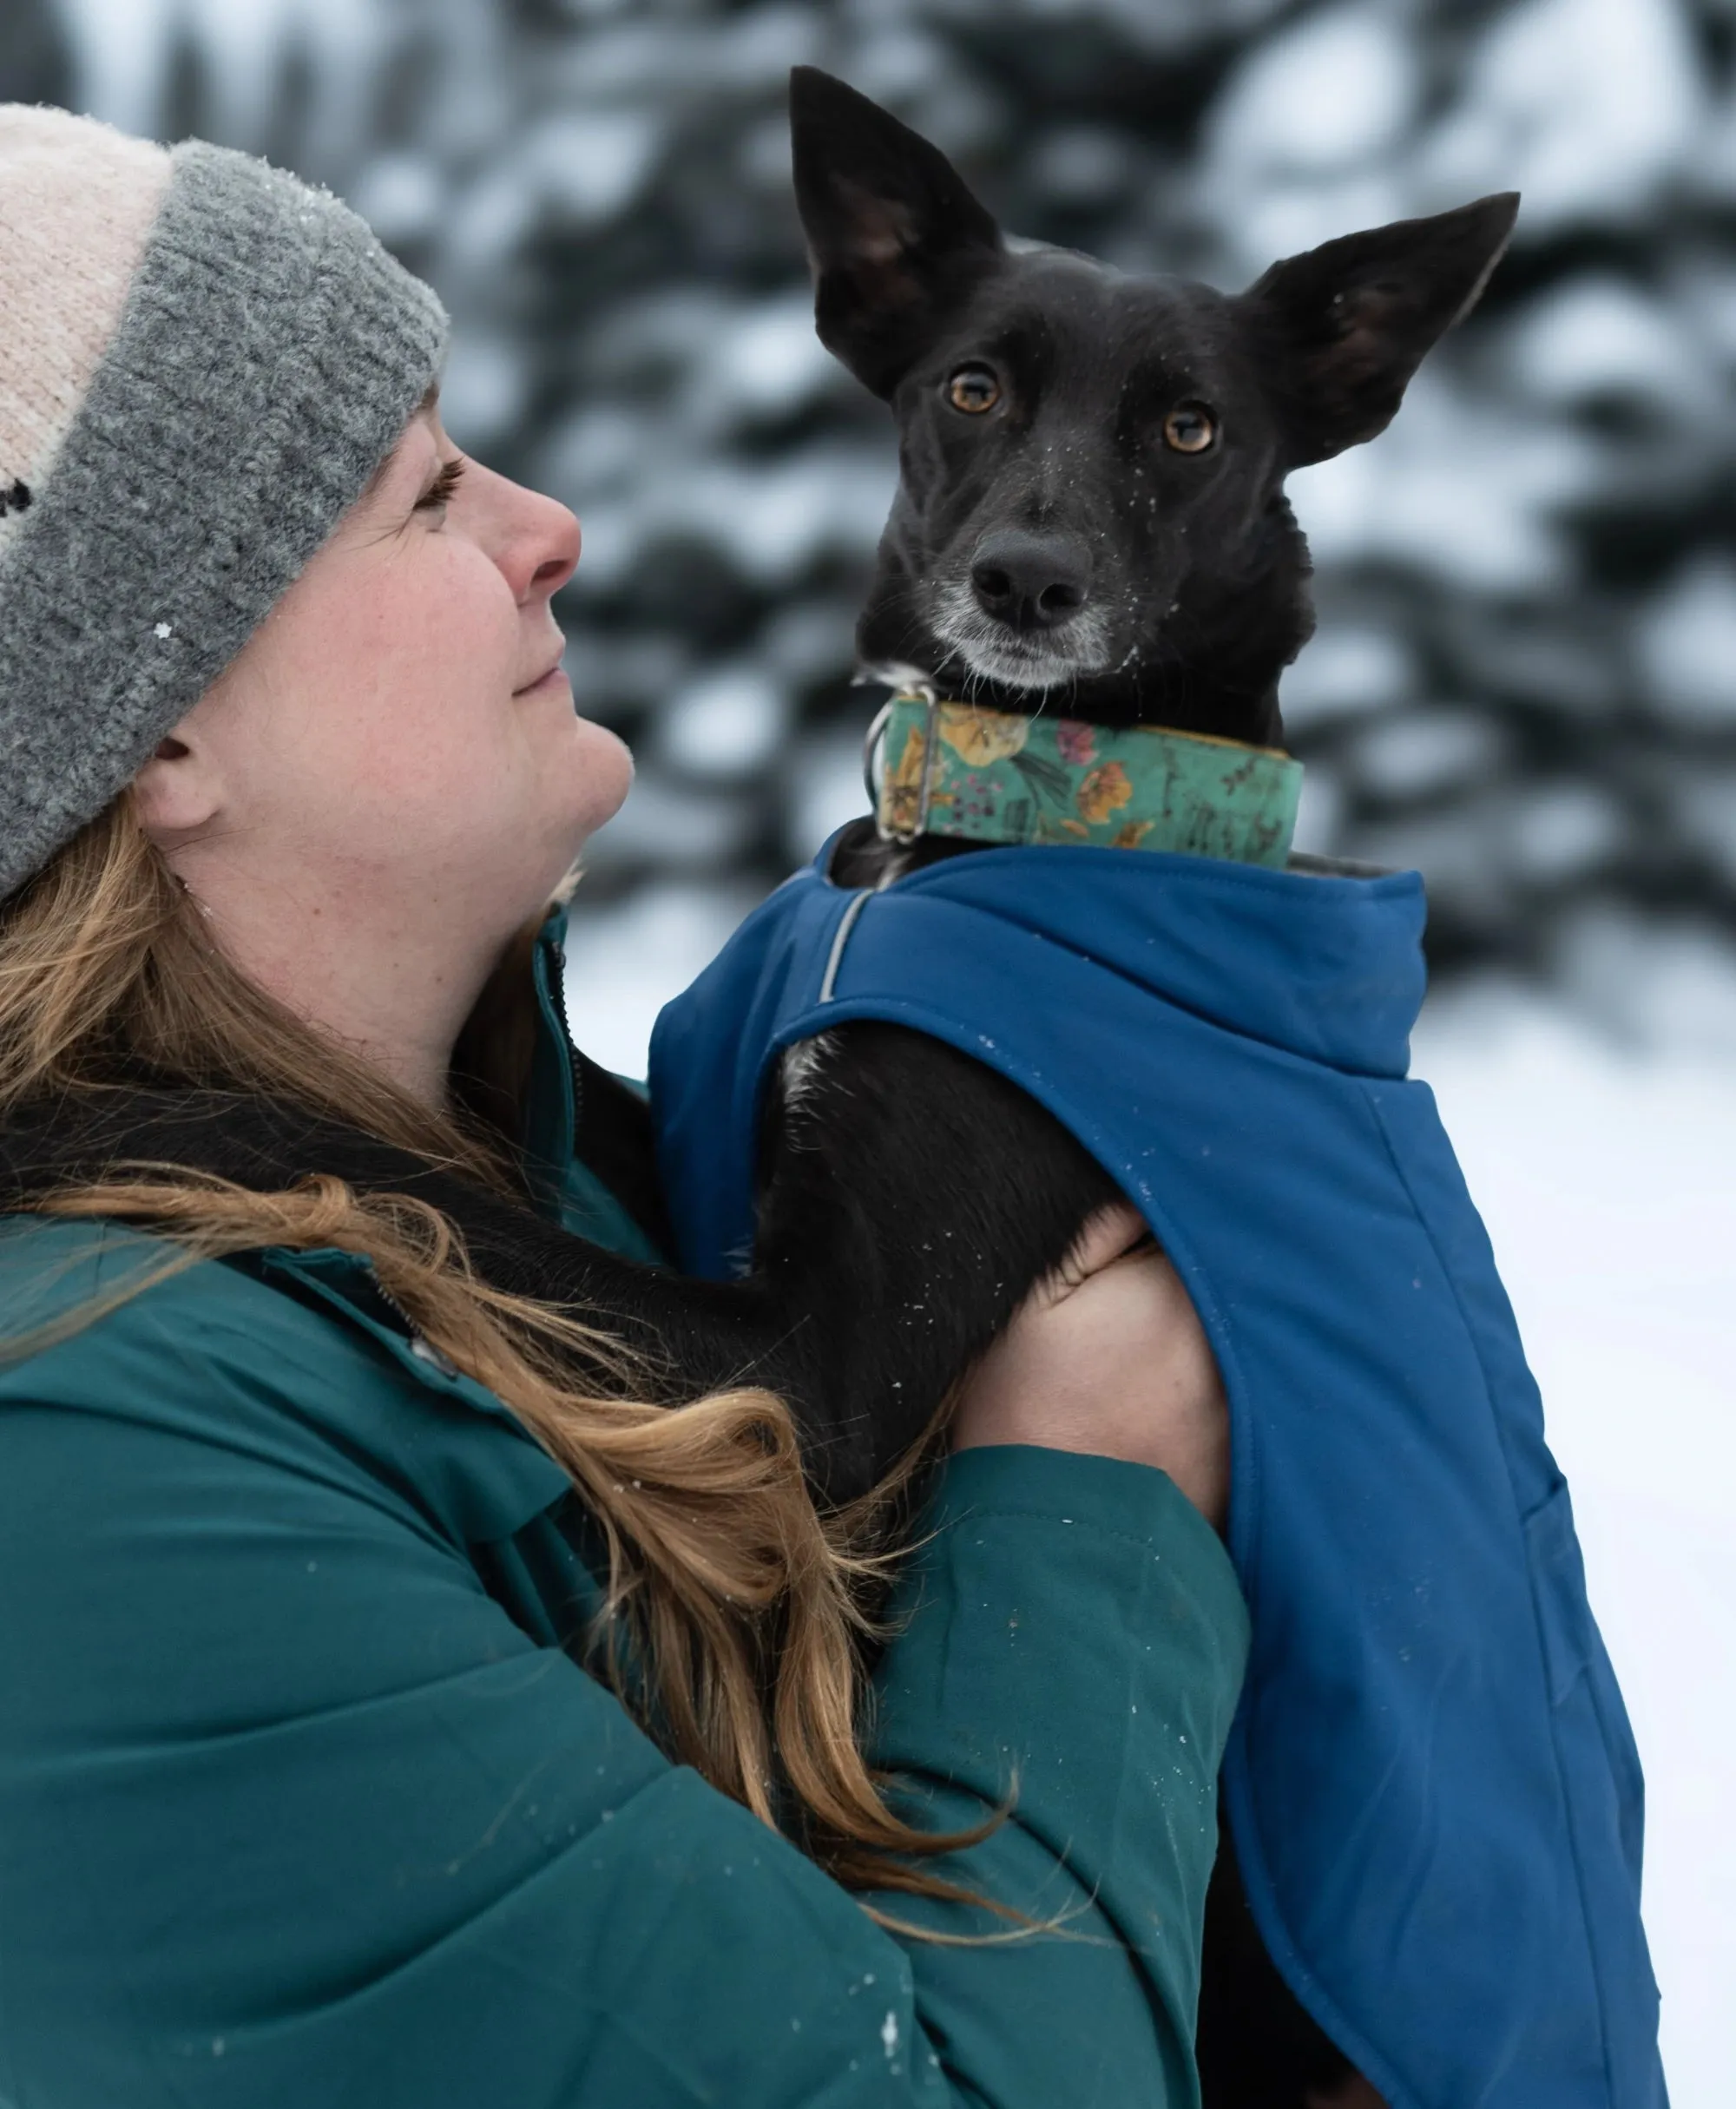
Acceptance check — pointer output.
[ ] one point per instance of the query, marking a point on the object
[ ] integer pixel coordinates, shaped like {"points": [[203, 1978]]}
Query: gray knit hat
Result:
{"points": [[202, 362]]}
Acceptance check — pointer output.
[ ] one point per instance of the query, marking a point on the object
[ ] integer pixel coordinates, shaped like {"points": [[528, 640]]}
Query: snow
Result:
{"points": [[1587, 107], [667, 826], [590, 166], [1666, 988], [1567, 830], [1347, 669], [1328, 93], [625, 961], [1686, 642], [1600, 336], [121, 52], [400, 196], [1420, 753], [726, 722], [768, 360], [482, 386], [1705, 813], [770, 518], [1319, 814], [829, 789], [1461, 486]]}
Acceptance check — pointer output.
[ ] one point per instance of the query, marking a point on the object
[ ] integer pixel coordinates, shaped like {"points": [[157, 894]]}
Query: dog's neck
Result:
{"points": [[966, 774]]}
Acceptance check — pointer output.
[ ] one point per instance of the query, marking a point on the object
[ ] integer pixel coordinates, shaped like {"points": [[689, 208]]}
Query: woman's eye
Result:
{"points": [[440, 490], [1190, 429], [973, 390]]}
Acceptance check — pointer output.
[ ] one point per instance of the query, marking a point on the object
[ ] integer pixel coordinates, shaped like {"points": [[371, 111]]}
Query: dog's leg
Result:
{"points": [[910, 1198]]}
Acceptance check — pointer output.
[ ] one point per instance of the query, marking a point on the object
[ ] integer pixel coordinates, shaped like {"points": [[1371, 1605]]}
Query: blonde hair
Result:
{"points": [[743, 1605]]}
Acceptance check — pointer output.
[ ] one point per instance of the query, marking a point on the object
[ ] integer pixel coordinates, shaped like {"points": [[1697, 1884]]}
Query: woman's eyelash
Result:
{"points": [[443, 484]]}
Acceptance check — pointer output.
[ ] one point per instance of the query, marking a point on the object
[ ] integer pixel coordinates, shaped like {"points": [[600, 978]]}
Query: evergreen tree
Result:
{"points": [[1524, 679]]}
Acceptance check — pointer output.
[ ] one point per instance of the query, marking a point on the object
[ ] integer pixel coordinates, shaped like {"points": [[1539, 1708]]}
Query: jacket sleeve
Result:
{"points": [[291, 1812]]}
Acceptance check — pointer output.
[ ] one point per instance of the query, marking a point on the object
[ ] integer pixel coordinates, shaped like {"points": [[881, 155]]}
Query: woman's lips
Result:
{"points": [[556, 673]]}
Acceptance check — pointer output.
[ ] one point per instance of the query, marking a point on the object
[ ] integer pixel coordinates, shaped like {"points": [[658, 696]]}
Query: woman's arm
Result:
{"points": [[1071, 1600], [1074, 1631], [293, 1812]]}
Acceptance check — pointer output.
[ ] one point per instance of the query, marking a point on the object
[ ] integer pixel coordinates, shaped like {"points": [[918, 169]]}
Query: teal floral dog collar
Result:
{"points": [[990, 776]]}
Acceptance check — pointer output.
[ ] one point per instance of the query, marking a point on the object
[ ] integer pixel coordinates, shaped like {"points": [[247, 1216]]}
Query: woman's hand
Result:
{"points": [[1108, 1356]]}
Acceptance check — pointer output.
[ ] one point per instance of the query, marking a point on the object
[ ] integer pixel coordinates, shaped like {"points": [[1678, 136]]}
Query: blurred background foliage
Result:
{"points": [[1525, 680]]}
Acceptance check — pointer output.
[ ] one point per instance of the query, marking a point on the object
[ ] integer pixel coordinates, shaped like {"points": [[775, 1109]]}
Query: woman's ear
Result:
{"points": [[179, 790]]}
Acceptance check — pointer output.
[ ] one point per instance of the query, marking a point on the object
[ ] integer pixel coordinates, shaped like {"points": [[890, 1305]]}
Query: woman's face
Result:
{"points": [[397, 732]]}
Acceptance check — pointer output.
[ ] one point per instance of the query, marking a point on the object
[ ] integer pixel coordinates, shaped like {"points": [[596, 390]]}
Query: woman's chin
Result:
{"points": [[603, 768]]}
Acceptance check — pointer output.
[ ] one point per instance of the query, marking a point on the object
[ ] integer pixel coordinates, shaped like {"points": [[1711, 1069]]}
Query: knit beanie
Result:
{"points": [[202, 362]]}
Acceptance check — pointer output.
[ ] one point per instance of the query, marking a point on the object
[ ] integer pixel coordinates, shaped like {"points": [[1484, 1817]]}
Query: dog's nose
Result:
{"points": [[1033, 582]]}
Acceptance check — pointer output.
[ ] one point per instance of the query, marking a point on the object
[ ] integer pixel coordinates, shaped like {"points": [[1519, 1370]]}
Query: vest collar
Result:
{"points": [[989, 775]]}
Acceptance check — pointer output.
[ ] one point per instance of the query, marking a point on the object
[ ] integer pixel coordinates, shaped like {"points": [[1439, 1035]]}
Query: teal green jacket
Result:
{"points": [[303, 1801]]}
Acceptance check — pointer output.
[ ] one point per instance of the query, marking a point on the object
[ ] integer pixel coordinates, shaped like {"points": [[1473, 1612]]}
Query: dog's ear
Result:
{"points": [[894, 235], [1341, 329]]}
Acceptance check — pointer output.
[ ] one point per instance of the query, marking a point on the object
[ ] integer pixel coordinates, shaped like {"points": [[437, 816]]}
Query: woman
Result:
{"points": [[393, 1713]]}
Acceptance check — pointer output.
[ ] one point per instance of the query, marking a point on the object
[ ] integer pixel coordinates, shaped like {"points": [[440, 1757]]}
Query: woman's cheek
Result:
{"points": [[450, 689], [454, 614]]}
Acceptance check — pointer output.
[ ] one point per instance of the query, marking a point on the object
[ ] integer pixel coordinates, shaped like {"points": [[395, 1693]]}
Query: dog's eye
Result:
{"points": [[973, 390], [1190, 429]]}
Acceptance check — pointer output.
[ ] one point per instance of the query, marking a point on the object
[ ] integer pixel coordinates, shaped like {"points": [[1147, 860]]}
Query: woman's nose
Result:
{"points": [[553, 549], [532, 538]]}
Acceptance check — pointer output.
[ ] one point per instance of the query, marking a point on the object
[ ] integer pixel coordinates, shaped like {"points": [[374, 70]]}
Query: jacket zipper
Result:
{"points": [[420, 1346], [557, 979]]}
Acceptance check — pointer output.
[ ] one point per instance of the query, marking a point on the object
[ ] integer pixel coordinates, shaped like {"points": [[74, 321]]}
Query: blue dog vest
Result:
{"points": [[1432, 1786]]}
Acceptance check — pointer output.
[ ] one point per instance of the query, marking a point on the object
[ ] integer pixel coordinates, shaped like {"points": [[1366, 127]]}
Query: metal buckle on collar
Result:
{"points": [[871, 747]]}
